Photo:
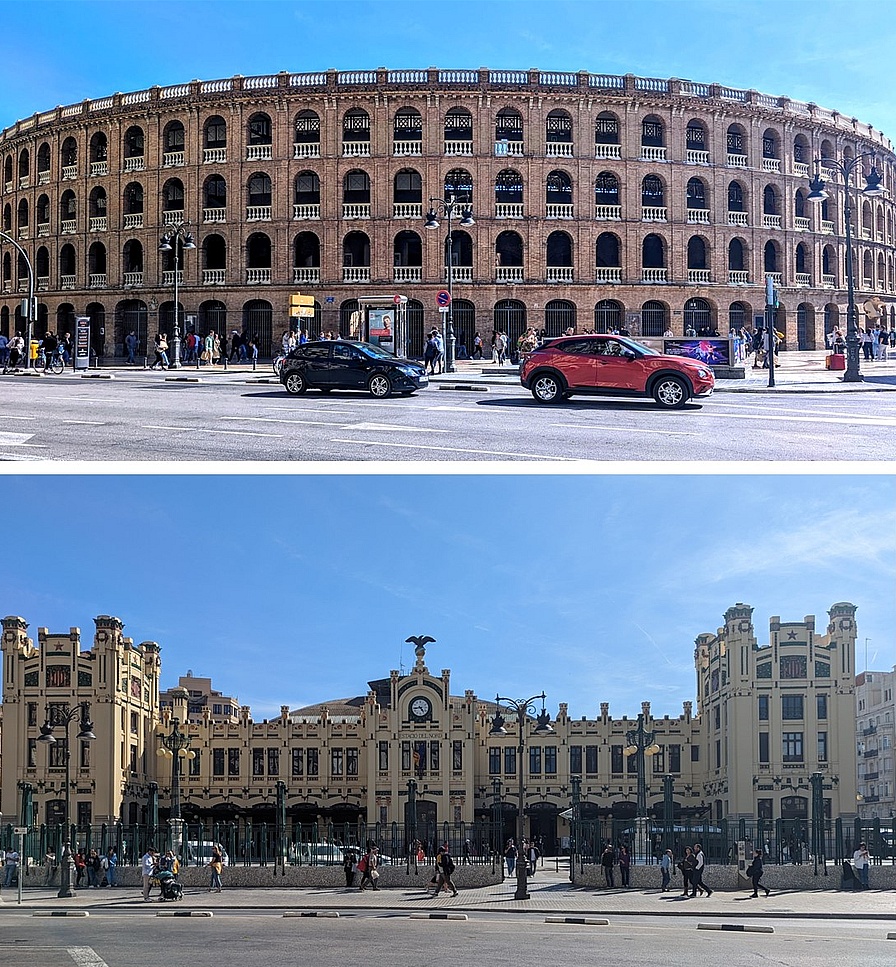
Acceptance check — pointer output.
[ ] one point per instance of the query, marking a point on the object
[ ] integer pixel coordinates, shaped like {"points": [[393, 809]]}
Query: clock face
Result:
{"points": [[420, 708]]}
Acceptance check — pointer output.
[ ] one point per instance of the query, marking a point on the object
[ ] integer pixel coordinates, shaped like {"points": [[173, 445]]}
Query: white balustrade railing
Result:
{"points": [[69, 172], [697, 157], [407, 273], [96, 280], [214, 156], [803, 278], [168, 277], [43, 177], [306, 274], [68, 226], [612, 213], [98, 223], [737, 161], [738, 218], [801, 169], [558, 149], [67, 281], [133, 278], [258, 213], [829, 281], [137, 163], [515, 149], [776, 277], [698, 216], [801, 224], [214, 215], [43, 229], [460, 273], [356, 210], [355, 273], [355, 149], [608, 273], [558, 211], [509, 273], [259, 152], [134, 220], [308, 149], [306, 211], [258, 276], [652, 213], [771, 221], [653, 275], [608, 151], [457, 148], [404, 149], [866, 233], [559, 273], [97, 168], [173, 159], [738, 277], [699, 275], [827, 228], [214, 276], [407, 209], [649, 153], [509, 209], [771, 164], [43, 283], [23, 231], [173, 217]]}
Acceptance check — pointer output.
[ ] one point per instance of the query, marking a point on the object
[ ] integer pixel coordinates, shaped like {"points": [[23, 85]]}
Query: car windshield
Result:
{"points": [[377, 351], [638, 347]]}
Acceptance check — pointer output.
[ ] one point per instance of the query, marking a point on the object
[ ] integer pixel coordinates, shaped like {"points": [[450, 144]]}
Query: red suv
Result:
{"points": [[604, 365]]}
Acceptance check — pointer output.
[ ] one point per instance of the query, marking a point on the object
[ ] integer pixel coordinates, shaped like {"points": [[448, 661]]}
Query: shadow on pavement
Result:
{"points": [[591, 405]]}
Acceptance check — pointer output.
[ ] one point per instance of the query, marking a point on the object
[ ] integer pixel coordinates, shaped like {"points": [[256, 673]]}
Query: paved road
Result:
{"points": [[143, 417]]}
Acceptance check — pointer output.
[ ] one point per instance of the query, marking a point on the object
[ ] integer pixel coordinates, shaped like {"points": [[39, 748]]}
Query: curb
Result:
{"points": [[591, 921], [312, 913], [97, 375], [463, 386], [438, 916], [183, 379], [60, 913], [184, 913], [740, 927]]}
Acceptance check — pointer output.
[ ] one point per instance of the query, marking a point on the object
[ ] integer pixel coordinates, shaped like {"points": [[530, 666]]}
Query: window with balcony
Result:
{"points": [[509, 194], [407, 132], [459, 185], [306, 137], [458, 132]]}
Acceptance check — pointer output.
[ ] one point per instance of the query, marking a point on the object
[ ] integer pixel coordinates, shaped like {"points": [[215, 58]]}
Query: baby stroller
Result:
{"points": [[170, 887]]}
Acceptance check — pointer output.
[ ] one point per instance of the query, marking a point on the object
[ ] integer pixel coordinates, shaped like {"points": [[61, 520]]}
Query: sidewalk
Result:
{"points": [[550, 894]]}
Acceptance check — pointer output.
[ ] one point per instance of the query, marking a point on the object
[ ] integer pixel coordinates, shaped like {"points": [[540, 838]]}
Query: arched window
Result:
{"points": [[68, 210], [735, 197], [608, 316], [606, 189], [42, 211], [696, 141], [558, 192], [7, 217], [653, 252], [559, 315], [133, 146], [259, 130], [509, 249], [133, 199], [96, 265], [212, 317], [258, 251], [508, 192], [459, 184], [654, 318], [132, 257], [510, 318], [67, 264], [805, 326], [607, 251], [407, 131], [461, 249], [867, 270], [509, 127], [306, 136], [407, 187], [173, 195], [770, 200], [99, 149], [69, 154], [42, 263], [306, 251], [696, 194], [771, 144], [558, 131], [737, 145], [22, 216], [356, 132], [173, 139], [801, 259], [215, 135], [698, 316], [356, 188], [652, 192], [738, 315], [355, 250], [43, 161], [606, 131], [407, 250], [458, 131], [736, 258], [214, 193], [259, 191], [827, 150], [306, 192], [696, 252], [652, 132], [97, 202], [829, 263], [799, 204], [770, 257], [801, 152], [559, 249]]}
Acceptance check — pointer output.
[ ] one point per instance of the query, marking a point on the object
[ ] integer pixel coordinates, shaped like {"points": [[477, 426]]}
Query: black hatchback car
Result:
{"points": [[344, 364]]}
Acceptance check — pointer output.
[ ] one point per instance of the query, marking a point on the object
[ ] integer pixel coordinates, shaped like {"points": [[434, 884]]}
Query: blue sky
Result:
{"points": [[832, 52], [296, 589]]}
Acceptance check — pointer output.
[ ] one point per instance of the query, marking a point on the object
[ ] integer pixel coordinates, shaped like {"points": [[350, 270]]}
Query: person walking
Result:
{"points": [[370, 874], [754, 872], [216, 864], [625, 865], [861, 860], [666, 868], [111, 860], [607, 861], [348, 867], [686, 865], [446, 868], [699, 868], [130, 344], [147, 870], [11, 866], [510, 856]]}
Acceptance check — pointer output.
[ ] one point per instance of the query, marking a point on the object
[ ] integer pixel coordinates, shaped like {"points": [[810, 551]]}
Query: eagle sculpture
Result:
{"points": [[419, 642]]}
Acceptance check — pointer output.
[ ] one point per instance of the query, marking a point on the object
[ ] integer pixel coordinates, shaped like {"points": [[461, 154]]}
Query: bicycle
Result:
{"points": [[56, 364], [277, 363]]}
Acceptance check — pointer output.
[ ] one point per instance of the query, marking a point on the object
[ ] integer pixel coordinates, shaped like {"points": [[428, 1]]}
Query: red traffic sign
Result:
{"points": [[443, 298], [396, 299]]}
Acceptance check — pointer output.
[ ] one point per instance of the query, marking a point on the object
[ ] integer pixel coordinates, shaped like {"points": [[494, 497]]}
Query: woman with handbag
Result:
{"points": [[161, 347], [754, 872], [370, 873]]}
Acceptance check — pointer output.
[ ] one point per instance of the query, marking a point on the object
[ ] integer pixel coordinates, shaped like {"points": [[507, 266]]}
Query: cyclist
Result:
{"points": [[48, 347]]}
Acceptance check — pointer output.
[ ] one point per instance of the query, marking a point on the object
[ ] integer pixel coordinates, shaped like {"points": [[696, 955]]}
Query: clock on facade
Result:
{"points": [[421, 708]]}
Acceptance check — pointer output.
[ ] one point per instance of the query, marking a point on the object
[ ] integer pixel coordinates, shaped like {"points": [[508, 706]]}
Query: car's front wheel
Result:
{"points": [[379, 386], [295, 383], [670, 392], [547, 388]]}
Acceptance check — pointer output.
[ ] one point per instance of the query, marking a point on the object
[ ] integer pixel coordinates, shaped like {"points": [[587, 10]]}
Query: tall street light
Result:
{"points": [[873, 188], [175, 745], [176, 241], [30, 315], [62, 715], [522, 707], [641, 743], [447, 208]]}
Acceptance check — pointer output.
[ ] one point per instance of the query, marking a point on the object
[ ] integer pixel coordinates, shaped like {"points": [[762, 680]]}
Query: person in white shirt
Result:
{"points": [[861, 860], [147, 869]]}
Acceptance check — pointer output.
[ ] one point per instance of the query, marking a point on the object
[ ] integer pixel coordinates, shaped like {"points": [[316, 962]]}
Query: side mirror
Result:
{"points": [[628, 354]]}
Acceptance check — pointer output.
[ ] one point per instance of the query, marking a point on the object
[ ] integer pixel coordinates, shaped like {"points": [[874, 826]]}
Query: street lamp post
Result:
{"points": [[522, 707], [447, 207], [65, 716], [176, 240], [873, 188], [30, 314], [576, 848], [175, 745], [641, 743]]}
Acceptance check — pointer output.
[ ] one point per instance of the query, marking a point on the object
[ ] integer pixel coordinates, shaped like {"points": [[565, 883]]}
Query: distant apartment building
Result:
{"points": [[875, 741]]}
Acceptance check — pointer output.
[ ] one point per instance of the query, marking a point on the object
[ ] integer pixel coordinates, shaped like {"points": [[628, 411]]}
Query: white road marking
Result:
{"points": [[14, 439], [621, 429], [271, 419], [86, 957], [387, 427], [85, 422], [203, 429], [25, 418], [855, 421], [454, 409], [482, 453]]}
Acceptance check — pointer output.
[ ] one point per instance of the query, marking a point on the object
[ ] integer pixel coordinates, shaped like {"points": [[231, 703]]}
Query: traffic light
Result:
{"points": [[771, 293]]}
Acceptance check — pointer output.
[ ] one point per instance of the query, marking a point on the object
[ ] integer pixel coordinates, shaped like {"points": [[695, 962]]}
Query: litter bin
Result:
{"points": [[835, 361]]}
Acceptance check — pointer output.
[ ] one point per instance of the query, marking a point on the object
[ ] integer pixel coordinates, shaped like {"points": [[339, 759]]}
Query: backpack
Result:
{"points": [[362, 864]]}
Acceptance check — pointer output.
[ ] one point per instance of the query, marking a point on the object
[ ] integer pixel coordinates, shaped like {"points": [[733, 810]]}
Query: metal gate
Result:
{"points": [[607, 315], [654, 318], [510, 318], [464, 315], [559, 315], [258, 324], [697, 316]]}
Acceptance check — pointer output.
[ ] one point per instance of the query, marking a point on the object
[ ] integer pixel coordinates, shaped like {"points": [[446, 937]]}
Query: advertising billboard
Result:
{"points": [[380, 327], [713, 352]]}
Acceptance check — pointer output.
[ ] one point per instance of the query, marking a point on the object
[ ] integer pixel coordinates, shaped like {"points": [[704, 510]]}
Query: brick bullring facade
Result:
{"points": [[599, 200]]}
